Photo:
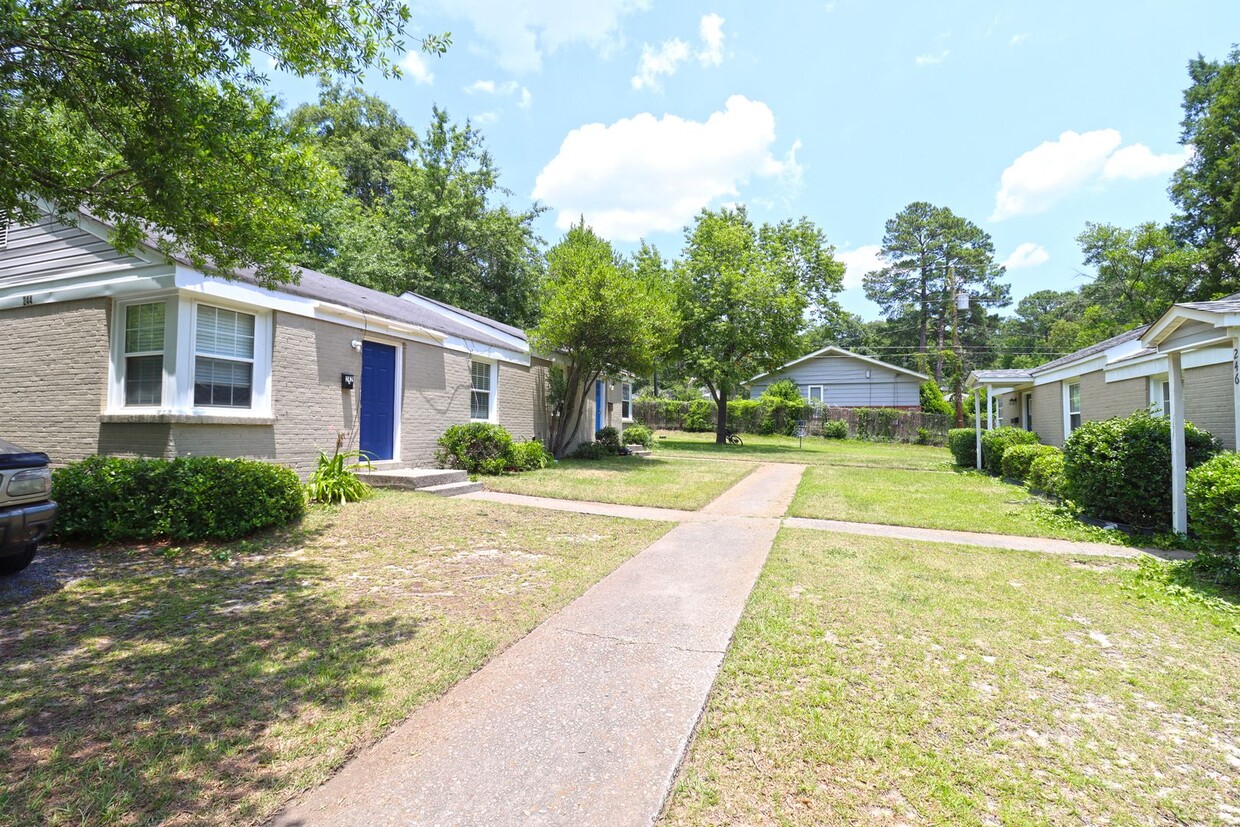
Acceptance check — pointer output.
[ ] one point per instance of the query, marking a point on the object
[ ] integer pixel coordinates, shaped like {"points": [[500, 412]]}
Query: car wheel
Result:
{"points": [[17, 562]]}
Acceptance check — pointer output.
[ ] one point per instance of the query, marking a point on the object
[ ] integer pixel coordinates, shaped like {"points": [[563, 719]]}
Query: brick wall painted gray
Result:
{"points": [[1103, 400], [1208, 401], [54, 361]]}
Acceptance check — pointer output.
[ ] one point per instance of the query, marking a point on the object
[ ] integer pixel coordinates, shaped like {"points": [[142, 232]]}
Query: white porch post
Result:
{"points": [[1235, 392], [977, 426], [1179, 504], [990, 410]]}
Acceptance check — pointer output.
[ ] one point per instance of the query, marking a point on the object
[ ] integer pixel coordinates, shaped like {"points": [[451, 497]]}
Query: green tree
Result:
{"points": [[742, 295], [152, 116], [600, 317], [1140, 271], [1207, 189], [419, 212]]}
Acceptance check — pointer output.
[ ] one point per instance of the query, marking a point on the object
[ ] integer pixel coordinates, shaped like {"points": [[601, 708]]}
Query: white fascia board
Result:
{"points": [[486, 351], [1070, 371], [100, 282], [1176, 316], [1204, 357], [1149, 365], [514, 342]]}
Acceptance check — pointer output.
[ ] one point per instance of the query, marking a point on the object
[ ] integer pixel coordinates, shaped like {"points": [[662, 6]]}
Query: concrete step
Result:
{"points": [[412, 478], [639, 452], [452, 489]]}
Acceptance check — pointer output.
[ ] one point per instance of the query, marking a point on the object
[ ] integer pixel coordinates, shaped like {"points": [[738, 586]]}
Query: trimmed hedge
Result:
{"points": [[1046, 473], [1018, 459], [962, 442], [1120, 469], [529, 456], [700, 416], [1214, 504], [835, 429], [638, 435], [484, 448], [110, 499], [997, 441]]}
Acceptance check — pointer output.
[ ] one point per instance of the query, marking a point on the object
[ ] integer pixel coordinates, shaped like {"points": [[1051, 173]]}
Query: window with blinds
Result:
{"points": [[223, 358], [144, 354], [480, 393]]}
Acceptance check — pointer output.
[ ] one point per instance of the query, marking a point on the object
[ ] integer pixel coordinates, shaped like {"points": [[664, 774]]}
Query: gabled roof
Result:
{"points": [[428, 313], [839, 351], [1227, 304], [991, 377], [1092, 350]]}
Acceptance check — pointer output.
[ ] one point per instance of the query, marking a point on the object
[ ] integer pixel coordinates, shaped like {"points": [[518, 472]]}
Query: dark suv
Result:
{"points": [[26, 513]]}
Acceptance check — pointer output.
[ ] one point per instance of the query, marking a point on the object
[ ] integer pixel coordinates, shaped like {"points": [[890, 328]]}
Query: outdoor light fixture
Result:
{"points": [[356, 344]]}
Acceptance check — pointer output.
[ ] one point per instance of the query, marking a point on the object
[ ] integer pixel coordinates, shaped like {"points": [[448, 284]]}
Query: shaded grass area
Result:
{"points": [[207, 685], [960, 501], [627, 480], [881, 682], [813, 451]]}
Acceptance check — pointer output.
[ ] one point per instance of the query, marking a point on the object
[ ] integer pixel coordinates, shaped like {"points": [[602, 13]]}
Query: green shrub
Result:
{"points": [[589, 450], [700, 416], [108, 499], [609, 438], [784, 389], [1018, 459], [1046, 473], [638, 435], [933, 401], [879, 424], [996, 441], [529, 456], [962, 442], [745, 415], [479, 448], [1214, 504], [1120, 469], [835, 429], [335, 479]]}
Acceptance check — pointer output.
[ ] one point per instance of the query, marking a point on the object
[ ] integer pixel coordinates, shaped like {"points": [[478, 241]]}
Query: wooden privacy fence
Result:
{"points": [[752, 416]]}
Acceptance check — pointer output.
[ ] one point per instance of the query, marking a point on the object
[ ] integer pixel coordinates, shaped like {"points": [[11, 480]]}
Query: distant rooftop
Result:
{"points": [[1092, 350]]}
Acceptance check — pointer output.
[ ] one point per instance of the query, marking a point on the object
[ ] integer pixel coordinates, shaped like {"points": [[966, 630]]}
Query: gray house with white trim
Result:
{"points": [[835, 376]]}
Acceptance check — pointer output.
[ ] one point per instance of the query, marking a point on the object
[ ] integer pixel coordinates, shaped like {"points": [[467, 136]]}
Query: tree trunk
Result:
{"points": [[575, 395], [721, 417]]}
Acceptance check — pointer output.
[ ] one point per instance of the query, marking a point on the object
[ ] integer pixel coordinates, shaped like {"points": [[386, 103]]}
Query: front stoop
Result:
{"points": [[430, 480]]}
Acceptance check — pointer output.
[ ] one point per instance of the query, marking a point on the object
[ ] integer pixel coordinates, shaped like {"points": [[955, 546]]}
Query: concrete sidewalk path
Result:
{"points": [[586, 719], [633, 512]]}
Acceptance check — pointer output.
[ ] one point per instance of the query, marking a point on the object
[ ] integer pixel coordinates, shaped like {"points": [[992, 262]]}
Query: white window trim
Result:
{"points": [[493, 416], [1067, 406], [179, 345], [822, 393], [1157, 384], [626, 388]]}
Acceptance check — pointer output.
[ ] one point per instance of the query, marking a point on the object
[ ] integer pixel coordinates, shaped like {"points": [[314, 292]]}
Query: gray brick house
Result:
{"points": [[134, 354]]}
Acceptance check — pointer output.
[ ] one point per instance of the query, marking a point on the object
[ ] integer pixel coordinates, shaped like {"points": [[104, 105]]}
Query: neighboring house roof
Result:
{"points": [[1004, 375], [1092, 350], [1227, 304], [839, 351]]}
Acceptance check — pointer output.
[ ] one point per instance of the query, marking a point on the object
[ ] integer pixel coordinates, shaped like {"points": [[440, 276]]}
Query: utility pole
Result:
{"points": [[957, 300]]}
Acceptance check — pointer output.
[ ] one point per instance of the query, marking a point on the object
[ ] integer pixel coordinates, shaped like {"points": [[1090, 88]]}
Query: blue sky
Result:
{"points": [[1029, 119]]}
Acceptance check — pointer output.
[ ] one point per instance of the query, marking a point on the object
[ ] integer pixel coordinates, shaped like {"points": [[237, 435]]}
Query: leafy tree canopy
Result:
{"points": [[601, 316], [743, 294], [418, 211], [152, 116]]}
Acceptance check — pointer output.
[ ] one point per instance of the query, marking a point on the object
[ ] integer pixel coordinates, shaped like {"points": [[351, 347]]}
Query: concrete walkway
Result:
{"points": [[586, 719]]}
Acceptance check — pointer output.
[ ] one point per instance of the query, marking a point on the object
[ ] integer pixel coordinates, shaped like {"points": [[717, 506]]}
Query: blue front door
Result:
{"points": [[378, 414], [599, 396]]}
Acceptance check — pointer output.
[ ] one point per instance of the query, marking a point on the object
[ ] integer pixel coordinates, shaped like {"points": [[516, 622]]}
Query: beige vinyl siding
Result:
{"points": [[48, 248]]}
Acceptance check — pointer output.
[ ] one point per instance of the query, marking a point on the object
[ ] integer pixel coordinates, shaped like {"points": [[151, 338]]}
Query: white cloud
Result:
{"points": [[1054, 169], [415, 67], [520, 33], [858, 262], [1018, 39], [486, 117], [656, 62], [1137, 161], [646, 174], [932, 59], [504, 90], [1027, 254], [665, 59], [526, 99], [711, 30]]}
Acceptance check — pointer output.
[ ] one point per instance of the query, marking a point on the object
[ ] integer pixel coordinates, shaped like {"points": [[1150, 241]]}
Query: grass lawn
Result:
{"points": [[960, 501], [814, 451], [881, 682], [628, 481], [207, 685]]}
